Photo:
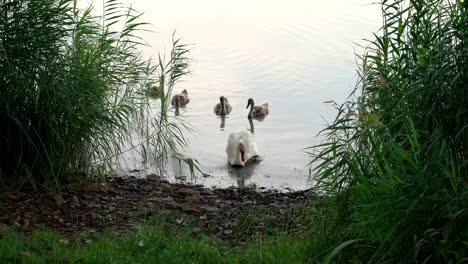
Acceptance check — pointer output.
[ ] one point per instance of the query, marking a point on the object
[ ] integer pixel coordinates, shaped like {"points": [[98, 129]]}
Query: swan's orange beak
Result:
{"points": [[242, 156]]}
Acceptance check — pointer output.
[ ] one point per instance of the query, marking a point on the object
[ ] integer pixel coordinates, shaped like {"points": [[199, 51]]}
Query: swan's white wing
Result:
{"points": [[251, 151]]}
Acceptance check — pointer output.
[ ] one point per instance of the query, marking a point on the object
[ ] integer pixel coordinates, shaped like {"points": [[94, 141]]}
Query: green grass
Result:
{"points": [[161, 240], [149, 245], [144, 245]]}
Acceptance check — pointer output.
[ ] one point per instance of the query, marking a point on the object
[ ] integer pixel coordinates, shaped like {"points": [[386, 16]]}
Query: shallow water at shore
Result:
{"points": [[293, 55]]}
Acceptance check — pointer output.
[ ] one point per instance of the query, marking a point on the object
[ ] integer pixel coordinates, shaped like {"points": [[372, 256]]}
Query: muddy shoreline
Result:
{"points": [[124, 202]]}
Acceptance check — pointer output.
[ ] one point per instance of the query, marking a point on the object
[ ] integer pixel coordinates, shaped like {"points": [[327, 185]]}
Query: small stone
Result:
{"points": [[181, 177], [190, 209], [206, 191], [192, 199], [152, 177], [186, 191], [166, 186]]}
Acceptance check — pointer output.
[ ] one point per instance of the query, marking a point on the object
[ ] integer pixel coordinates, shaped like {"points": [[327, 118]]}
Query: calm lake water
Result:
{"points": [[292, 54]]}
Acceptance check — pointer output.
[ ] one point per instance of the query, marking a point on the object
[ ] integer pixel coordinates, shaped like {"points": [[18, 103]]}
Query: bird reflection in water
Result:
{"points": [[241, 175], [223, 122]]}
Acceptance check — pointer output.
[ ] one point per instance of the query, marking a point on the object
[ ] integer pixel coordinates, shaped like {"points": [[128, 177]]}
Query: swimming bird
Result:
{"points": [[241, 148], [156, 89], [258, 111], [223, 107], [180, 99]]}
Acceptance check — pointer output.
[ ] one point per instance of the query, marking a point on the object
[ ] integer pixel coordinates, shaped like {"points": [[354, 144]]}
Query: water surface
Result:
{"points": [[292, 54]]}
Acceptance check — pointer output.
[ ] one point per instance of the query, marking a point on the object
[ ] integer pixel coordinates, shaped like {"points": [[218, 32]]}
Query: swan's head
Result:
{"points": [[250, 102], [240, 159], [223, 100]]}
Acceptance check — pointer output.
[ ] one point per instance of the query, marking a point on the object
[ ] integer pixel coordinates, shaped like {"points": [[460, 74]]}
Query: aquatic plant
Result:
{"points": [[395, 157], [168, 136]]}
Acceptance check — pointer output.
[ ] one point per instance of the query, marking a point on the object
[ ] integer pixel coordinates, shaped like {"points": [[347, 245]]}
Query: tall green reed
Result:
{"points": [[396, 155], [71, 88], [166, 137]]}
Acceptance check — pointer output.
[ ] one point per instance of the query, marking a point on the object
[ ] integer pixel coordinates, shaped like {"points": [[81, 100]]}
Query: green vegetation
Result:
{"points": [[396, 155], [69, 87], [161, 240], [74, 90], [146, 245]]}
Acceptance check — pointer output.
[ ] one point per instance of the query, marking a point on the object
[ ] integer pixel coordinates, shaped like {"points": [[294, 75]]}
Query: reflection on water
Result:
{"points": [[292, 54], [223, 122], [240, 175]]}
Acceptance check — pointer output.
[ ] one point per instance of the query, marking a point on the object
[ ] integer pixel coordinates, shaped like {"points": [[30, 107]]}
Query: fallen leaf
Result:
{"points": [[4, 228], [11, 196], [74, 202], [63, 241], [26, 252], [59, 200]]}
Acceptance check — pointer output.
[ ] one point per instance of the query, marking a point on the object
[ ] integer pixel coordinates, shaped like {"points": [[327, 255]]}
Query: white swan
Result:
{"points": [[241, 148]]}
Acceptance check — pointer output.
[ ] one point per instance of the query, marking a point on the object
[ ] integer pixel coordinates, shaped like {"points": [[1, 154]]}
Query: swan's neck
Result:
{"points": [[251, 110], [252, 129], [222, 105]]}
